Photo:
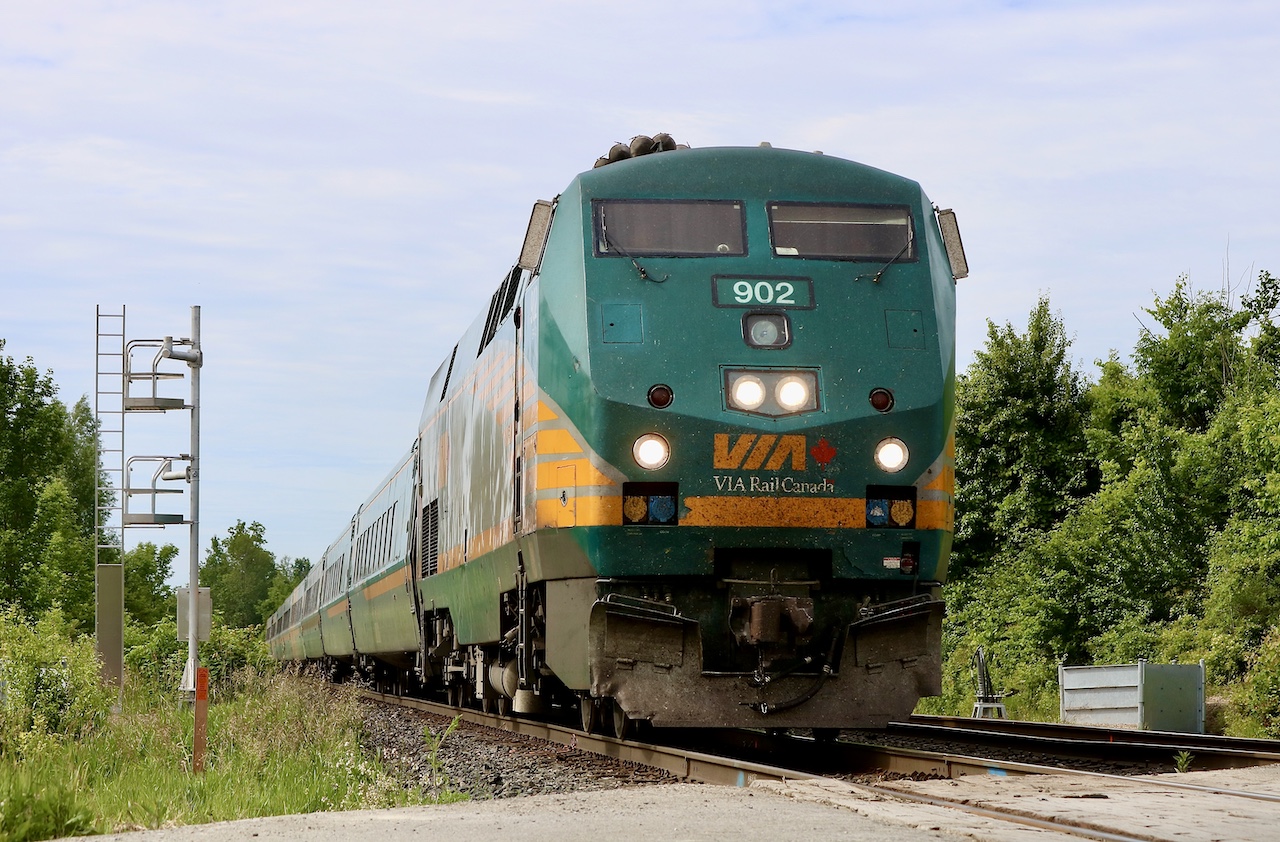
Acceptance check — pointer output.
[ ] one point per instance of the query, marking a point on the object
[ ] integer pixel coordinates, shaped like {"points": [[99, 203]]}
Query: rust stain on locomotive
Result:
{"points": [[824, 513]]}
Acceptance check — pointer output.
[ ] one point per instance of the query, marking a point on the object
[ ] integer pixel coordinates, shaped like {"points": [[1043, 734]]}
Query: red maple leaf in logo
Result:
{"points": [[823, 453]]}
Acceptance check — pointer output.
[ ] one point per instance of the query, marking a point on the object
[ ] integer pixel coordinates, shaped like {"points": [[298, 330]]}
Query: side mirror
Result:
{"points": [[951, 239], [535, 238]]}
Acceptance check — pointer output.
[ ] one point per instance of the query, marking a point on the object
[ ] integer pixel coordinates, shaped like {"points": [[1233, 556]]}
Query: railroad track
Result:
{"points": [[1100, 806], [1119, 745], [737, 758], [1079, 803]]}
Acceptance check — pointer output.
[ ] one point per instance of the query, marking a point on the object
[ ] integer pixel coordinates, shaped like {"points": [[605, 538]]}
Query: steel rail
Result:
{"points": [[1085, 741], [1099, 733], [909, 761]]}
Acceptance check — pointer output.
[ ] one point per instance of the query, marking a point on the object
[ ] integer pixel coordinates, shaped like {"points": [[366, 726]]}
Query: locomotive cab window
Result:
{"points": [[669, 229], [841, 232]]}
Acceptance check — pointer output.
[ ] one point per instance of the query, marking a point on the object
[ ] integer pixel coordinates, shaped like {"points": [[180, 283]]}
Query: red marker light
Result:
{"points": [[661, 396]]}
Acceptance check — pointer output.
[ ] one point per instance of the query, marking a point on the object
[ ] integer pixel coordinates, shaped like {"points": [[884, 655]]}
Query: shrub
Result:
{"points": [[230, 651], [50, 684], [158, 657], [1260, 693]]}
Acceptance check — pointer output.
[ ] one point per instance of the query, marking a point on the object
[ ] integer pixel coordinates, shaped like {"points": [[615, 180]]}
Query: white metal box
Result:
{"points": [[1151, 697]]}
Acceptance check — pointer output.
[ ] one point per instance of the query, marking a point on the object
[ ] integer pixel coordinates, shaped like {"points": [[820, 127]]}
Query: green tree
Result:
{"points": [[1193, 363], [1204, 398], [1261, 305], [48, 473], [147, 598], [1242, 602], [1118, 402], [1023, 462], [1170, 551], [64, 575], [1133, 552], [289, 574], [239, 570], [1022, 457]]}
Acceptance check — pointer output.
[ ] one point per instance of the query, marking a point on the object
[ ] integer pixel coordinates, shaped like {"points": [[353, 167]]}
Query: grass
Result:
{"points": [[277, 744]]}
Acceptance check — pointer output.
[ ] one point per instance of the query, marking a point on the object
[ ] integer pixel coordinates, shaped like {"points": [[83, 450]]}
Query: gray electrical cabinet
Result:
{"points": [[206, 614], [1146, 696]]}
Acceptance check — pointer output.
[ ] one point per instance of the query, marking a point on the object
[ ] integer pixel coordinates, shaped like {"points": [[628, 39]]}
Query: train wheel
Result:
{"points": [[455, 695], [590, 710], [621, 724]]}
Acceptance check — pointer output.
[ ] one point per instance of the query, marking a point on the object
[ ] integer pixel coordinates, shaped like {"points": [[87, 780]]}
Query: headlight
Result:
{"points": [[651, 451], [770, 391], [766, 330], [748, 392], [891, 455], [792, 393]]}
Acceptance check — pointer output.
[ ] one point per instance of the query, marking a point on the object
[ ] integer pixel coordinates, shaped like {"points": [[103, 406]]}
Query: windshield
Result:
{"points": [[655, 228], [841, 232]]}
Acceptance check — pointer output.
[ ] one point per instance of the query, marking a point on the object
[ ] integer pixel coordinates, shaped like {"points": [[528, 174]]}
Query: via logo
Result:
{"points": [[752, 452]]}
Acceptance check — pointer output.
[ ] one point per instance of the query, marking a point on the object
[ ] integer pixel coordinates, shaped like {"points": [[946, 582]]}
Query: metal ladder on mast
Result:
{"points": [[108, 414]]}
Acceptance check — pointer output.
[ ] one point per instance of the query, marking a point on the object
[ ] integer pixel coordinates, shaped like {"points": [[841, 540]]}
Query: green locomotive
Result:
{"points": [[693, 467]]}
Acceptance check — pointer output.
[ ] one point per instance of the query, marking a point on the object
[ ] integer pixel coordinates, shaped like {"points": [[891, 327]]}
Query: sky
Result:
{"points": [[341, 186]]}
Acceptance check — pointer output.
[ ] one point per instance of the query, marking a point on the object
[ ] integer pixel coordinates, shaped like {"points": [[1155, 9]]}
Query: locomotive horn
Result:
{"points": [[639, 145], [663, 142], [642, 145]]}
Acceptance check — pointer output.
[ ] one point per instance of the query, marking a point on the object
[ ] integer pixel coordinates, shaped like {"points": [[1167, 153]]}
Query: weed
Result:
{"points": [[36, 805], [434, 766], [278, 743]]}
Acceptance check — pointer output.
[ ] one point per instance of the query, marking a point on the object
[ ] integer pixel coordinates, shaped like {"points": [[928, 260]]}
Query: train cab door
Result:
{"points": [[525, 386], [517, 423]]}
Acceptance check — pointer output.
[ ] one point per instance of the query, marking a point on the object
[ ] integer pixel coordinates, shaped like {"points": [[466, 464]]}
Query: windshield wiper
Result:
{"points": [[875, 279], [608, 246]]}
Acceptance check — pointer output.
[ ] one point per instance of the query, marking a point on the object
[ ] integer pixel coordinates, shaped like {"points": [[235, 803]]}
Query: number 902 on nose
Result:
{"points": [[746, 291]]}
